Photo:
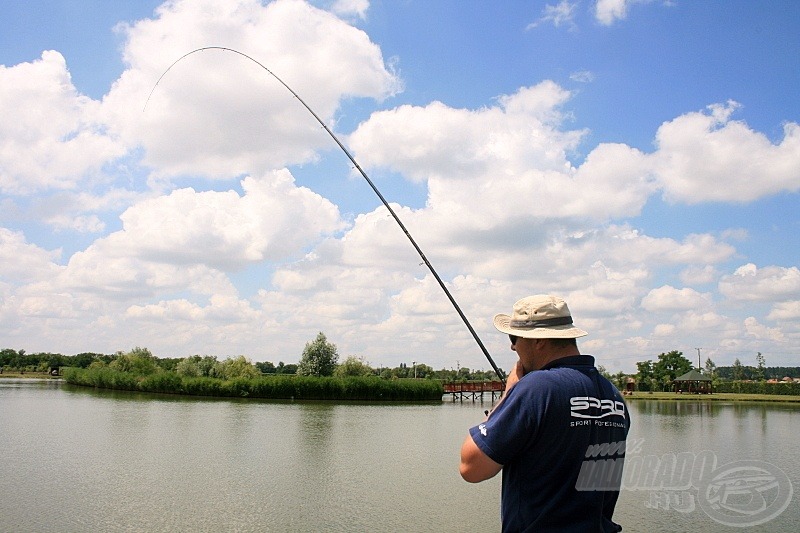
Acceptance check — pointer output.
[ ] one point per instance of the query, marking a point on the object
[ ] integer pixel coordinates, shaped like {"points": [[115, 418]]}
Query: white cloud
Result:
{"points": [[51, 136], [217, 114], [709, 157], [560, 14], [226, 230], [609, 11], [767, 284], [351, 7], [785, 311], [21, 261], [669, 298], [760, 331]]}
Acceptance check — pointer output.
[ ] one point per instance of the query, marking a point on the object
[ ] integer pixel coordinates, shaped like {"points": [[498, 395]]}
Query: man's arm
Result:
{"points": [[476, 466]]}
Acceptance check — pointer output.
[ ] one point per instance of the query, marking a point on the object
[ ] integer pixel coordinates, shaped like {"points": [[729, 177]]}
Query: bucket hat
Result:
{"points": [[539, 317]]}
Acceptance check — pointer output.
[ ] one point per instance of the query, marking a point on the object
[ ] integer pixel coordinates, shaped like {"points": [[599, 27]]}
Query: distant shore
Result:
{"points": [[719, 397], [636, 396]]}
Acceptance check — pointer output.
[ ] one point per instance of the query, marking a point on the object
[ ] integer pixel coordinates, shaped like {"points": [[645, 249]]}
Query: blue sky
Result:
{"points": [[639, 158]]}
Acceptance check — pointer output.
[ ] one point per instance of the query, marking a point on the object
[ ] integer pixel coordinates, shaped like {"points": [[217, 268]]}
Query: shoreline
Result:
{"points": [[638, 396], [716, 397]]}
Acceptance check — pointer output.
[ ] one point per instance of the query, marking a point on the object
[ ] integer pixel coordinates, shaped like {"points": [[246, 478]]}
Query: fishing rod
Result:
{"points": [[364, 174]]}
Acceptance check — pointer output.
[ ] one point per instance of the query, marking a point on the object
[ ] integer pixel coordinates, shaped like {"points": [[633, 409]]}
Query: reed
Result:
{"points": [[268, 387]]}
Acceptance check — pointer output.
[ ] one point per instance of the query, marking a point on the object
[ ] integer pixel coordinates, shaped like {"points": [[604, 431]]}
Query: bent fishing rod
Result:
{"points": [[363, 174]]}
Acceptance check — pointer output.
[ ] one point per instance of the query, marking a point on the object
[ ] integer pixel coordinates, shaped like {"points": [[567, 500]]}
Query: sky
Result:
{"points": [[640, 159]]}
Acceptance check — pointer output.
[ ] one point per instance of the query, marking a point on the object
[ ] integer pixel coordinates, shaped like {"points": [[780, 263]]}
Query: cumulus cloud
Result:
{"points": [[709, 157], [785, 311], [226, 230], [609, 11], [218, 114], [752, 284], [51, 136], [760, 331], [351, 7], [669, 298], [21, 261]]}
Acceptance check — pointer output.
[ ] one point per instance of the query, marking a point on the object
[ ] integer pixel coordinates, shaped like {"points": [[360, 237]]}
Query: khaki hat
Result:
{"points": [[539, 317]]}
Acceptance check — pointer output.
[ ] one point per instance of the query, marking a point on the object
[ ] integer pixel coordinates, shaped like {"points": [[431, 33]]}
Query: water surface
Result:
{"points": [[76, 459]]}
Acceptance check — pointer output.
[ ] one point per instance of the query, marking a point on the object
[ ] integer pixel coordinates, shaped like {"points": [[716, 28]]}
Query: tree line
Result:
{"points": [[658, 375], [319, 358]]}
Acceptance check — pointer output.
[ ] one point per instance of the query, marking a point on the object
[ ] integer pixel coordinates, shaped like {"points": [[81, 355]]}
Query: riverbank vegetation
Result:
{"points": [[715, 397], [367, 388], [659, 376], [319, 376], [319, 358]]}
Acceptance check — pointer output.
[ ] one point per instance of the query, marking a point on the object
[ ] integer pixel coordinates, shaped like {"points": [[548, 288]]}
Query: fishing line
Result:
{"points": [[364, 174]]}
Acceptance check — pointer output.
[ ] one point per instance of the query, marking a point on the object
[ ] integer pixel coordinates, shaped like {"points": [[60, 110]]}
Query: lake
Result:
{"points": [[77, 460]]}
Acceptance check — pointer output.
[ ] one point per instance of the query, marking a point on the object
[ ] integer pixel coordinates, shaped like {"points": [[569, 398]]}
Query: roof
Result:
{"points": [[693, 375]]}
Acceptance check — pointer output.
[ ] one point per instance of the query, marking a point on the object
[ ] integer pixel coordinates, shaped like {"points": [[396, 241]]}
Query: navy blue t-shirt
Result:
{"points": [[560, 435]]}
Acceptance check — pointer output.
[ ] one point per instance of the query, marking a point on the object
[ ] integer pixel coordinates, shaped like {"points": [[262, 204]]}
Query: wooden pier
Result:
{"points": [[474, 390]]}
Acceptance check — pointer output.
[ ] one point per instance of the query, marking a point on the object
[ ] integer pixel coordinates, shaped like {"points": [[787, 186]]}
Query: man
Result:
{"points": [[558, 433]]}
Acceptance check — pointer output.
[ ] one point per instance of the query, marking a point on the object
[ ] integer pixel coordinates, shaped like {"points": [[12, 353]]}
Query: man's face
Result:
{"points": [[529, 352]]}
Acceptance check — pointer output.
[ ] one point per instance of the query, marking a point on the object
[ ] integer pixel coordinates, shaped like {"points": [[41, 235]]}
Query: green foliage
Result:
{"points": [[138, 361], [319, 358], [645, 378], [669, 366], [353, 366], [738, 370], [369, 388], [760, 367], [239, 367], [759, 387], [168, 382], [710, 369]]}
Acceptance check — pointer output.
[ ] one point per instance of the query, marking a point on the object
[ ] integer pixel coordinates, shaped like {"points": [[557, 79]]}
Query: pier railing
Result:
{"points": [[474, 390]]}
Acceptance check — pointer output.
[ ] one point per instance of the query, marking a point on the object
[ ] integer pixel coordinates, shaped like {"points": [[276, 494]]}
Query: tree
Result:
{"points": [[738, 370], [266, 367], [239, 367], [645, 376], [760, 374], [711, 368], [353, 366], [669, 366], [319, 358], [138, 361]]}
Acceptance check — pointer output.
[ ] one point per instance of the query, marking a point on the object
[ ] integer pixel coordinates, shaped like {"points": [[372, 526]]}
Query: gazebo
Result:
{"points": [[693, 382]]}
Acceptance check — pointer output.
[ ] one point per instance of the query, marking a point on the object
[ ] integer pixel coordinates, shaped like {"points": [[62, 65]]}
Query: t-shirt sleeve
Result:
{"points": [[509, 427]]}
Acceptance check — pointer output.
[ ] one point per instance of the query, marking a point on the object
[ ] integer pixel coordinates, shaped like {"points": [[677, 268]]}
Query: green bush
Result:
{"points": [[169, 382], [758, 387], [369, 388]]}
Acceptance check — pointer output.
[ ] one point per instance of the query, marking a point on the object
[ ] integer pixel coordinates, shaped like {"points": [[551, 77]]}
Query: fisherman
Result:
{"points": [[558, 433]]}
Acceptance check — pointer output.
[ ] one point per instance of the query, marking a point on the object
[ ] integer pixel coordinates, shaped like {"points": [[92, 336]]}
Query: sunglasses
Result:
{"points": [[513, 339]]}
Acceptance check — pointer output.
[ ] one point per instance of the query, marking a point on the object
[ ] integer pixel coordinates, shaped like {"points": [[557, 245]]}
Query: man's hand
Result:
{"points": [[515, 375]]}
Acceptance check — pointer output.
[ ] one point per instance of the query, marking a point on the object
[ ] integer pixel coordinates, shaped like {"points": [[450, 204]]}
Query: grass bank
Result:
{"points": [[267, 387], [716, 397]]}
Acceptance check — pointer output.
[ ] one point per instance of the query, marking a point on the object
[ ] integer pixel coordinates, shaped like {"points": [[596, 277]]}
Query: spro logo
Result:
{"points": [[582, 406]]}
